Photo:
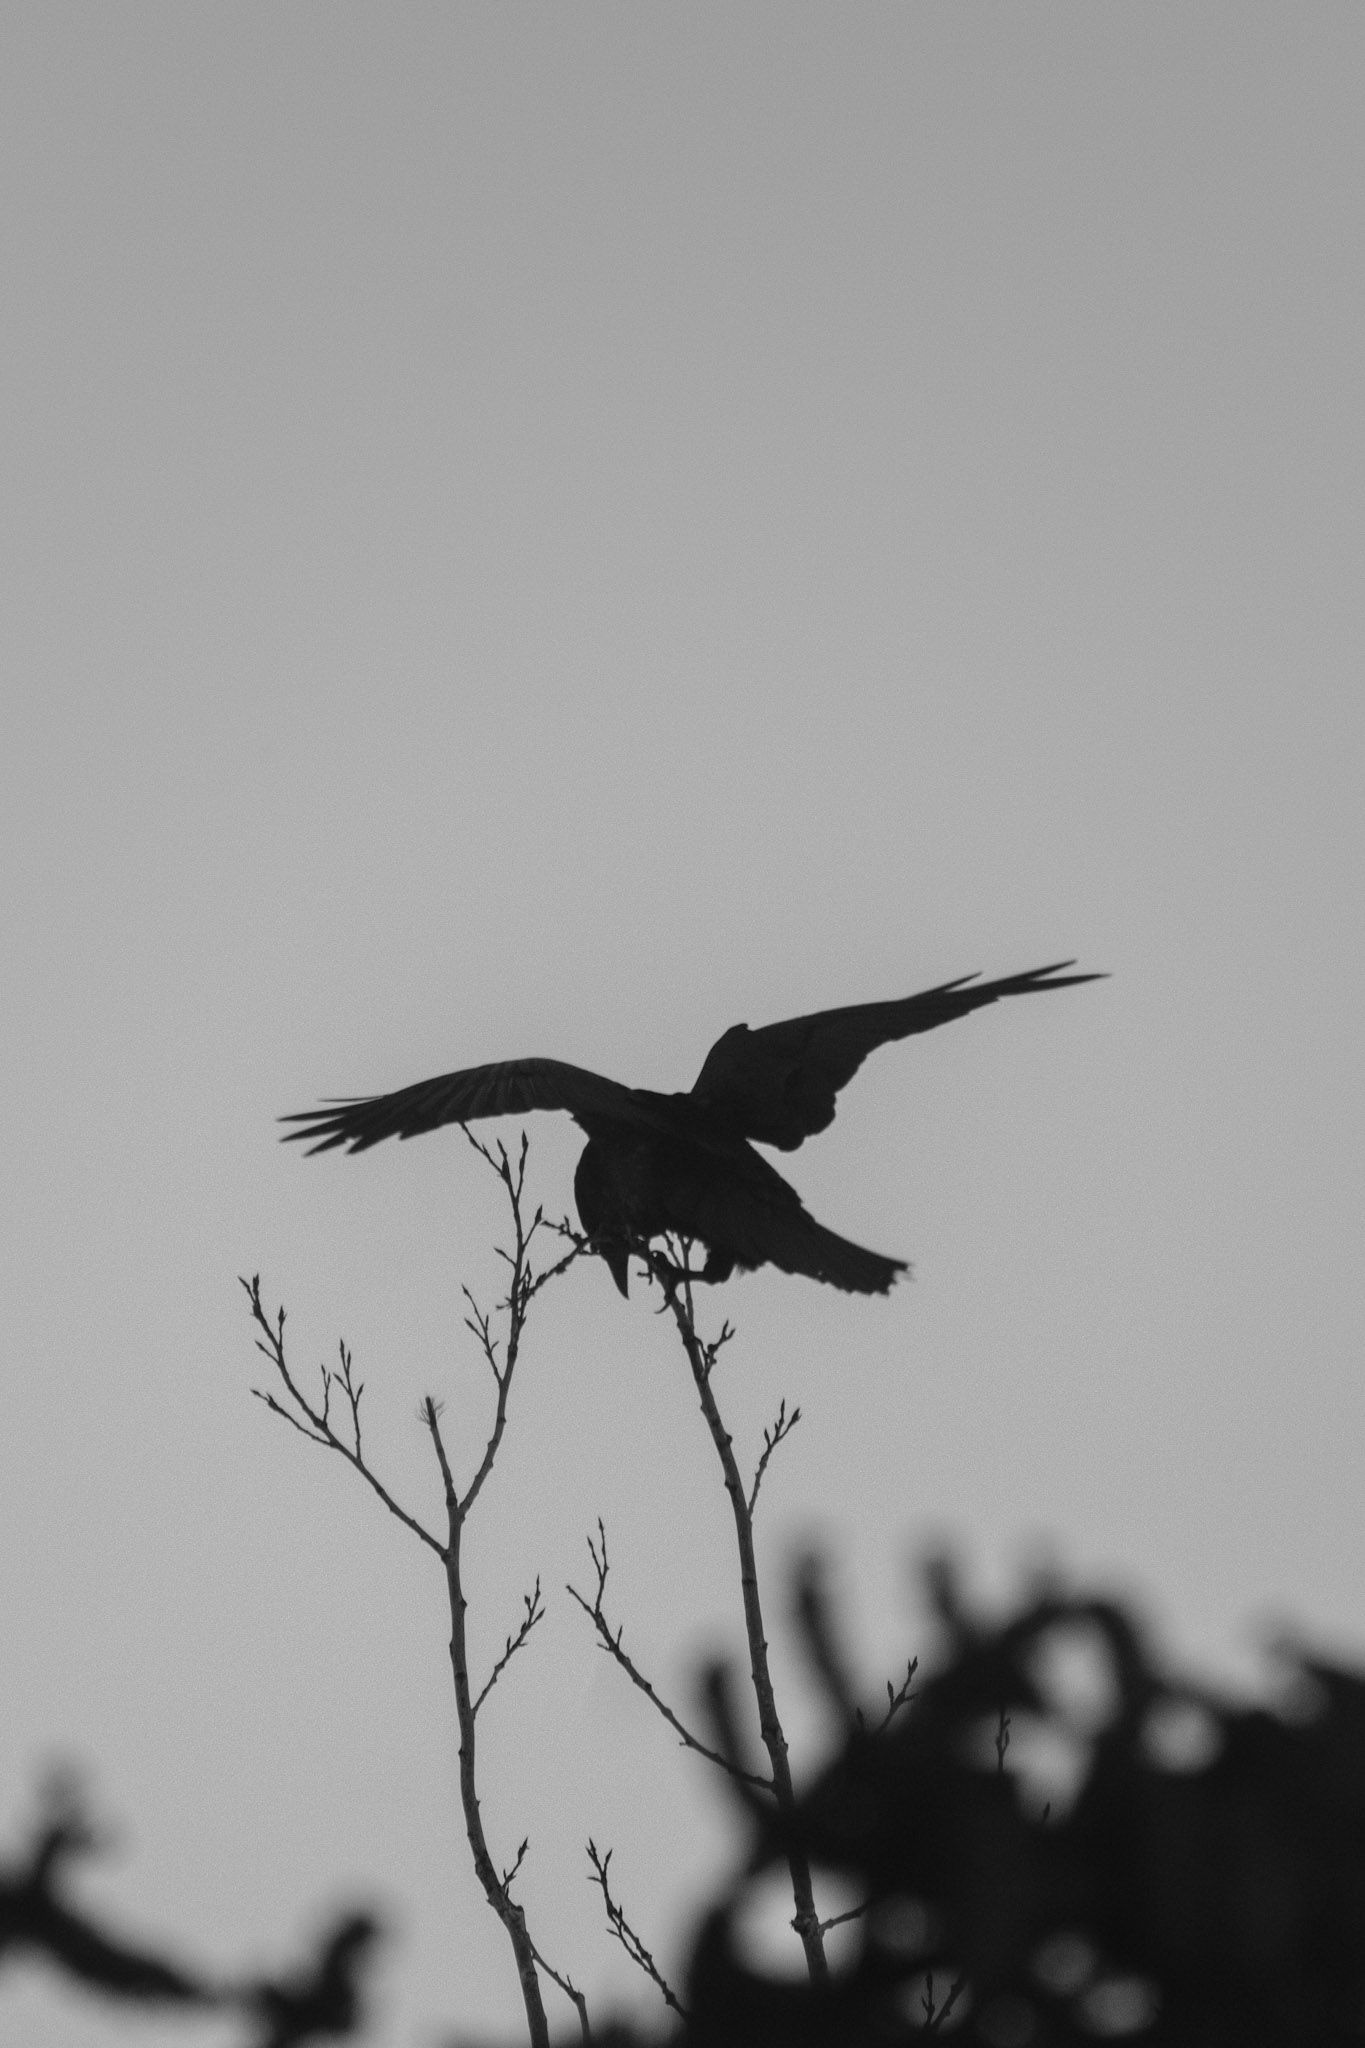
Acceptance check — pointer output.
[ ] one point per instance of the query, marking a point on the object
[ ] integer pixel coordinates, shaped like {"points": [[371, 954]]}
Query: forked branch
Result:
{"points": [[702, 1354], [317, 1422], [610, 1641], [314, 1419]]}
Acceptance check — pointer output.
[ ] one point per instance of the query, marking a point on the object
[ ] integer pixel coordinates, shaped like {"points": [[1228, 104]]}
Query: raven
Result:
{"points": [[685, 1164]]}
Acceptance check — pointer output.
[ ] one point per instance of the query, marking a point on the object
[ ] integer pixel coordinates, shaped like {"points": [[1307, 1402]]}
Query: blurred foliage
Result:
{"points": [[1196, 1878], [1056, 1842], [41, 1916]]}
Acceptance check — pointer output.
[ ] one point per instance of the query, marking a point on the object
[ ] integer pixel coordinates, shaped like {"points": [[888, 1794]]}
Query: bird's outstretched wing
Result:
{"points": [[506, 1088], [778, 1084]]}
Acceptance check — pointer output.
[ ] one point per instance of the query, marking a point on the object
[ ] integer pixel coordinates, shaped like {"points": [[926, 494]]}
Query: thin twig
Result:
{"points": [[853, 1913], [782, 1427], [611, 1643], [315, 1422], [701, 1357], [353, 1391], [321, 1431], [933, 2020], [569, 1988], [900, 1697], [534, 1612], [625, 1933]]}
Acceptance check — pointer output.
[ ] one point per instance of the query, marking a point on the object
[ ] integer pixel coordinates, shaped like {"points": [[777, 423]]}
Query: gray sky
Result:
{"points": [[552, 530]]}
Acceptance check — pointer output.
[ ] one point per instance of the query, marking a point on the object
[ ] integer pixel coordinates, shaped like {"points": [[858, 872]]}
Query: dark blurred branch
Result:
{"points": [[322, 2001], [38, 1916]]}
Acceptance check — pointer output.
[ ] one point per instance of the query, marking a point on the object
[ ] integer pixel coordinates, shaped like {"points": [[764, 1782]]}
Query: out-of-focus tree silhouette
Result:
{"points": [[324, 2001], [1200, 1882], [1189, 1874], [42, 1920], [40, 1915]]}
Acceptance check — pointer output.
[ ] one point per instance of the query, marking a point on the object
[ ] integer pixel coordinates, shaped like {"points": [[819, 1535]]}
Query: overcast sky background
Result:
{"points": [[553, 530]]}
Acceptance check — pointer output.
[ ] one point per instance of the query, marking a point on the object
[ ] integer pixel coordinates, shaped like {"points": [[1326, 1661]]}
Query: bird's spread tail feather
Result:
{"points": [[795, 1242]]}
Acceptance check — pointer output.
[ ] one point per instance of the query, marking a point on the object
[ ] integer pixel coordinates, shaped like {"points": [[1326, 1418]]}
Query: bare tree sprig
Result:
{"points": [[783, 1425], [610, 1641], [623, 1932], [314, 1419]]}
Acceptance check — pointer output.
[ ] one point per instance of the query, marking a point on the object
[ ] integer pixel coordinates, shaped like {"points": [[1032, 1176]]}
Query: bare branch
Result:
{"points": [[534, 1282], [523, 1286], [431, 1416], [701, 1359], [500, 1346], [611, 1643], [782, 1427], [353, 1390], [569, 1988], [272, 1345], [934, 2018], [624, 1932], [896, 1698], [534, 1612], [479, 1323], [273, 1405], [853, 1913]]}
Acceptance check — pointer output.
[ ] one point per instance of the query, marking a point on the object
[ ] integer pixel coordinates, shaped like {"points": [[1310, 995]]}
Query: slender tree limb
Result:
{"points": [[936, 2017], [570, 1990], [625, 1933], [701, 1358], [495, 1887], [783, 1426], [315, 1421], [535, 1612], [322, 1432], [611, 1643], [1002, 1740], [523, 1286], [853, 1913], [896, 1698]]}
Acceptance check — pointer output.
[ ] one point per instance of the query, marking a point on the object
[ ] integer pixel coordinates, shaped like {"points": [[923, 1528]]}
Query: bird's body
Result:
{"points": [[712, 1186], [685, 1164]]}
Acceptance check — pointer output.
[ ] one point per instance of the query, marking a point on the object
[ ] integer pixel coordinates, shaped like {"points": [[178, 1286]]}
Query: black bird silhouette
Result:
{"points": [[685, 1164]]}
